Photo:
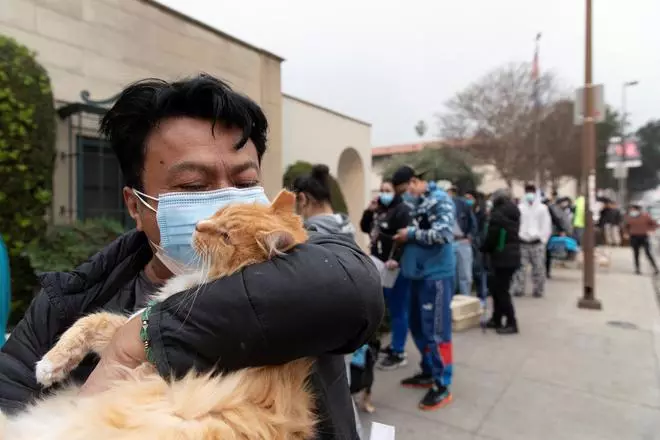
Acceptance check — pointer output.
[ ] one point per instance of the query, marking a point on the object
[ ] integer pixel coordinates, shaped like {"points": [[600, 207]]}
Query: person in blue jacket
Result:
{"points": [[429, 262], [465, 236]]}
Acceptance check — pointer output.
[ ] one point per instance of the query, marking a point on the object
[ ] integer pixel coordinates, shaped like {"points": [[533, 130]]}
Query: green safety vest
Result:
{"points": [[578, 217]]}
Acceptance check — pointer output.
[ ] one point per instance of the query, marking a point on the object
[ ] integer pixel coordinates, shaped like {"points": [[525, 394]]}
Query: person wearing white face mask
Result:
{"points": [[381, 220], [187, 149], [535, 231]]}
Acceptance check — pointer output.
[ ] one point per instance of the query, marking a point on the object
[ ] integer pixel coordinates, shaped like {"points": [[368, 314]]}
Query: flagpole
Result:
{"points": [[536, 73]]}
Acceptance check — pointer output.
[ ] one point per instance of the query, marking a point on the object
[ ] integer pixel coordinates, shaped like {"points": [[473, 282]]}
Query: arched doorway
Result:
{"points": [[351, 177]]}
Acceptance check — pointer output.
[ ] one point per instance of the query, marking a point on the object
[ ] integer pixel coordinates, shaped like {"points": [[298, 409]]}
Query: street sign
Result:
{"points": [[599, 104], [624, 154]]}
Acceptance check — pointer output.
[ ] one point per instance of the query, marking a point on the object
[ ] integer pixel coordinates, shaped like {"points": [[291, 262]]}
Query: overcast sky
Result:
{"points": [[394, 62]]}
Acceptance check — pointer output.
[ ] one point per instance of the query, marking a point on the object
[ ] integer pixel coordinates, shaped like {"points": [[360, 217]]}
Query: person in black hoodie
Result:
{"points": [[502, 249], [181, 146], [386, 214]]}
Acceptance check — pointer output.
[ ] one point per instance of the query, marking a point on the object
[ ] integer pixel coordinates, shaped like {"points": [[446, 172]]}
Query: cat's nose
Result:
{"points": [[204, 226]]}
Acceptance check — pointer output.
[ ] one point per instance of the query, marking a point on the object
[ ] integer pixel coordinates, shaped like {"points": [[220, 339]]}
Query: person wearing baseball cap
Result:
{"points": [[429, 262]]}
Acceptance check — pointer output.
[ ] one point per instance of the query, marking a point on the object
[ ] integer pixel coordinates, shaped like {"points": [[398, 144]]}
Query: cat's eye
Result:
{"points": [[224, 236]]}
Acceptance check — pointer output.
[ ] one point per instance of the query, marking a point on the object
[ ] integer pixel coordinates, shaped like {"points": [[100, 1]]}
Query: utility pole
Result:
{"points": [[623, 171], [588, 299]]}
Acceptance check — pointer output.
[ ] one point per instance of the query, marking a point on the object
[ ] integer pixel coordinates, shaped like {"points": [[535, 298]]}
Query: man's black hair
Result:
{"points": [[315, 184], [530, 187], [142, 106]]}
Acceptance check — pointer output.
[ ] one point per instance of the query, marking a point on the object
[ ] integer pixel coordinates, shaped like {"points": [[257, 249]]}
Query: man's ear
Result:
{"points": [[133, 206], [277, 242], [285, 201]]}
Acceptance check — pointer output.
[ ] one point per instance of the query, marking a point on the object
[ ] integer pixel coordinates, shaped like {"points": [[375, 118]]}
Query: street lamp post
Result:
{"points": [[588, 299], [623, 174]]}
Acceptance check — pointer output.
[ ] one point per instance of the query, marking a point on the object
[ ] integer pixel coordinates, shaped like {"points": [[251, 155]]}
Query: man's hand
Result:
{"points": [[401, 236], [373, 205], [391, 264], [125, 350]]}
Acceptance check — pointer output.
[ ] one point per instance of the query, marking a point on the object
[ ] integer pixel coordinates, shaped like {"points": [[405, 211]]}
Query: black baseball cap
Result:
{"points": [[404, 174]]}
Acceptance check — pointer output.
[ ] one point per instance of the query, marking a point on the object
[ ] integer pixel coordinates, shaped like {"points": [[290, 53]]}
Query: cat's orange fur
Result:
{"points": [[256, 403]]}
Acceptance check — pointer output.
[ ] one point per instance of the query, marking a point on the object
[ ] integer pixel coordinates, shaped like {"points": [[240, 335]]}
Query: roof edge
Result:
{"points": [[326, 109], [218, 32]]}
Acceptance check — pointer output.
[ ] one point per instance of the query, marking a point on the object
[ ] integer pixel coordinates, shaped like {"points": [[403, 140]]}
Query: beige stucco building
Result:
{"points": [[319, 135], [100, 46]]}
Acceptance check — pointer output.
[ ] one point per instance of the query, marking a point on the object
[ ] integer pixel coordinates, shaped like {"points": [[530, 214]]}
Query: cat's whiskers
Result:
{"points": [[205, 265]]}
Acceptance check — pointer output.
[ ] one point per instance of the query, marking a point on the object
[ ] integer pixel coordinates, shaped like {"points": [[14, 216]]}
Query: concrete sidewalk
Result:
{"points": [[570, 373]]}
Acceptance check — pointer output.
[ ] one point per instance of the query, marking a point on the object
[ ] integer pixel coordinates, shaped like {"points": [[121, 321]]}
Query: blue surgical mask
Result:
{"points": [[469, 202], [634, 213], [178, 214], [530, 197], [386, 198]]}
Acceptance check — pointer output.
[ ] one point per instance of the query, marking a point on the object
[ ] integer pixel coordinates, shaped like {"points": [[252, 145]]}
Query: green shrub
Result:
{"points": [[301, 168], [67, 246], [27, 158], [445, 163]]}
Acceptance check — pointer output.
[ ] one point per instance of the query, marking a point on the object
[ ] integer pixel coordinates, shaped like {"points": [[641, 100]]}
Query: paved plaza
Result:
{"points": [[570, 373]]}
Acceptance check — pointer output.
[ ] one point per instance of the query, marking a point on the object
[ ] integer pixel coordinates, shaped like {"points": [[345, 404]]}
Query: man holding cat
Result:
{"points": [[181, 146], [430, 263]]}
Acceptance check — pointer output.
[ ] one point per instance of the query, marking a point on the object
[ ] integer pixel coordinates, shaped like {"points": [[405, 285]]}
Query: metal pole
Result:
{"points": [[537, 170], [622, 157], [623, 176], [588, 300]]}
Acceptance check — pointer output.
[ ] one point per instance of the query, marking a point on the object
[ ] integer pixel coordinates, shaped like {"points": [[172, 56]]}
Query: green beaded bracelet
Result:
{"points": [[144, 334]]}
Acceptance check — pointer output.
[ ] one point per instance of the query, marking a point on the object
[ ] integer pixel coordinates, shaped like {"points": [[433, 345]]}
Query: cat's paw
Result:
{"points": [[48, 373]]}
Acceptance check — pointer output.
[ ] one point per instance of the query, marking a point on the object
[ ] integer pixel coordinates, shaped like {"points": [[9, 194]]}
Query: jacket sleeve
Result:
{"points": [[490, 241], [401, 220], [474, 229], [546, 225], [28, 342], [323, 297], [442, 222], [367, 221]]}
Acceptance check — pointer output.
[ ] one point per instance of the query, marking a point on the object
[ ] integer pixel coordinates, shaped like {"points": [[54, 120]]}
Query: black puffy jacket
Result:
{"points": [[322, 300], [502, 245], [382, 225]]}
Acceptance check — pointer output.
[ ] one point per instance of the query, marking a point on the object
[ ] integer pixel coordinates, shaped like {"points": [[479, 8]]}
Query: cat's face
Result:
{"points": [[239, 235]]}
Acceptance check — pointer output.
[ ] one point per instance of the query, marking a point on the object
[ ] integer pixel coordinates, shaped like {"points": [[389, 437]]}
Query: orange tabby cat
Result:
{"points": [[255, 403]]}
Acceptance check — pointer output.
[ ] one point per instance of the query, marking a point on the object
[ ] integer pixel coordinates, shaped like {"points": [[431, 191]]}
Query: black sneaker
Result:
{"points": [[387, 350], [507, 330], [435, 398], [491, 323], [393, 361], [420, 380]]}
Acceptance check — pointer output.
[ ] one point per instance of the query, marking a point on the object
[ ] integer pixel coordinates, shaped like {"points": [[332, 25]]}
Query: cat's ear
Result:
{"points": [[278, 242], [285, 201]]}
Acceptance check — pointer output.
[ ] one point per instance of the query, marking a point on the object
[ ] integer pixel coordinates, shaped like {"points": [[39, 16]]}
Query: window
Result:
{"points": [[100, 183]]}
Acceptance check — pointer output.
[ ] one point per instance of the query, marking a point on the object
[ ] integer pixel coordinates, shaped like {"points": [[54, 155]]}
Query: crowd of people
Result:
{"points": [[442, 241]]}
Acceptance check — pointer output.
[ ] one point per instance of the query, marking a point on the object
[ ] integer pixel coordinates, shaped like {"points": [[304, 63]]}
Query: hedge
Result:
{"points": [[301, 168], [27, 159]]}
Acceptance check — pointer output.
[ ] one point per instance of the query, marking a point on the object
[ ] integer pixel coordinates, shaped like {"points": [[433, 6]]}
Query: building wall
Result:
{"points": [[103, 45], [318, 135]]}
